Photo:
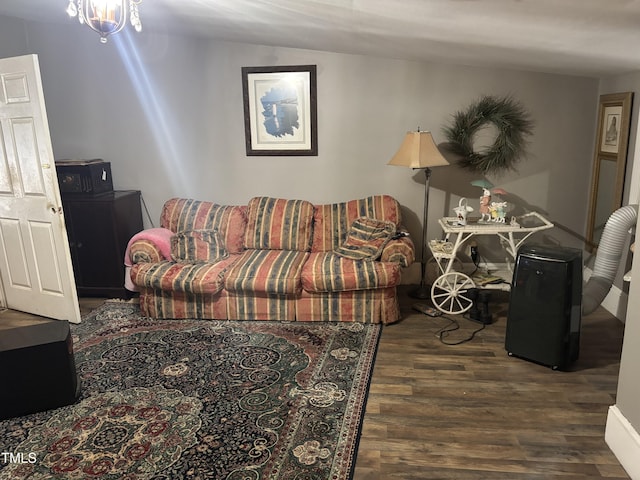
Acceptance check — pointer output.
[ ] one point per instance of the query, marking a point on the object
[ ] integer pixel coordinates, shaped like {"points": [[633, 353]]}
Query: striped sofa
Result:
{"points": [[273, 259]]}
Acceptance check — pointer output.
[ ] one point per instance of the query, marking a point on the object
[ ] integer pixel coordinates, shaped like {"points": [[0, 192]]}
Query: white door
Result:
{"points": [[35, 261]]}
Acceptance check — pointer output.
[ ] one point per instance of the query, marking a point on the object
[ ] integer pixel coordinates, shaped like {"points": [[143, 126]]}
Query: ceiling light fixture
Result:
{"points": [[106, 17]]}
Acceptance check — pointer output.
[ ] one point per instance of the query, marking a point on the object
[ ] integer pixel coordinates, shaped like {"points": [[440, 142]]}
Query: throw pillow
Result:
{"points": [[366, 238], [197, 246]]}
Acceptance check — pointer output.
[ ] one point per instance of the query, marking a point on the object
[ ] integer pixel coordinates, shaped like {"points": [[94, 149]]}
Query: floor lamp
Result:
{"points": [[419, 151]]}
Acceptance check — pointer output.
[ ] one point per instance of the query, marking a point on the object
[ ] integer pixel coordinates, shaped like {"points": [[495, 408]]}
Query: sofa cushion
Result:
{"points": [[182, 277], [330, 272], [278, 224], [366, 238], [181, 214], [196, 246], [266, 271], [331, 222]]}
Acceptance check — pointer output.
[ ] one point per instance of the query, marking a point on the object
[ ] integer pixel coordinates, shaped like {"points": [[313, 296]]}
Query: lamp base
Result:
{"points": [[423, 292]]}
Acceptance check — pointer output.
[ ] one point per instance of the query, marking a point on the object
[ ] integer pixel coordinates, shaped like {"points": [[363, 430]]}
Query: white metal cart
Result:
{"points": [[449, 290]]}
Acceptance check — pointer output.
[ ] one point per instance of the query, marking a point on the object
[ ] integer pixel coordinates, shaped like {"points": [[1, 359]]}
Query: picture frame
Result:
{"points": [[610, 134], [280, 110], [609, 163], [613, 123]]}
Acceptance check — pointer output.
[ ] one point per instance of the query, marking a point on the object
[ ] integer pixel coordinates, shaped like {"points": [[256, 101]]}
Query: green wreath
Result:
{"points": [[512, 122]]}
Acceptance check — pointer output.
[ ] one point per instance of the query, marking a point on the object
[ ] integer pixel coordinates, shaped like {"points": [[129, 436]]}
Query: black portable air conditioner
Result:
{"points": [[543, 321]]}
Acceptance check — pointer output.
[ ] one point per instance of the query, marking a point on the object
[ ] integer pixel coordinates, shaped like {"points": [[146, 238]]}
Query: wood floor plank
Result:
{"points": [[471, 412]]}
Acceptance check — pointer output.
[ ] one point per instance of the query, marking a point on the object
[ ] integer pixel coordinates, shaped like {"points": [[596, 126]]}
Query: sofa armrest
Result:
{"points": [[145, 251], [399, 249], [149, 246]]}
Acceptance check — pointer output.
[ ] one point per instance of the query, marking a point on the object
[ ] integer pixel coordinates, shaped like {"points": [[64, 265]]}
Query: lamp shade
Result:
{"points": [[418, 150]]}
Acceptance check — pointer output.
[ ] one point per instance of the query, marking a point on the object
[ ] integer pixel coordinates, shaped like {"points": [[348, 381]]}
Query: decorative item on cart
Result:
{"points": [[485, 203], [490, 211], [512, 122], [462, 210], [498, 212]]}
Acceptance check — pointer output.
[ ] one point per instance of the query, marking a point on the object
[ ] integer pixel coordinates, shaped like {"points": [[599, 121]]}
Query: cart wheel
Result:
{"points": [[448, 293]]}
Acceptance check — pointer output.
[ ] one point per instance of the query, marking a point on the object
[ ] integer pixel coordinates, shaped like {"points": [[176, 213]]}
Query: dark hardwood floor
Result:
{"points": [[470, 411]]}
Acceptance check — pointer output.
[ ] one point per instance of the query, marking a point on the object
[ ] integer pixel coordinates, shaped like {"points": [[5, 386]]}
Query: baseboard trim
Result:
{"points": [[624, 441], [616, 303]]}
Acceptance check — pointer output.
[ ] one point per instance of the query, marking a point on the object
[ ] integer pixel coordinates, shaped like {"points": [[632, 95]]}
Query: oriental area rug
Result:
{"points": [[202, 399]]}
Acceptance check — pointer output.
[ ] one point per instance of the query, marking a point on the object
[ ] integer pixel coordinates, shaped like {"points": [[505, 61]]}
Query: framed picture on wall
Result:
{"points": [[613, 123], [280, 110], [610, 134], [609, 163]]}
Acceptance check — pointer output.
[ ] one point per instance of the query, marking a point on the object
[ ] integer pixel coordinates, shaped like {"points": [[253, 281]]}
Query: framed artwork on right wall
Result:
{"points": [[609, 162]]}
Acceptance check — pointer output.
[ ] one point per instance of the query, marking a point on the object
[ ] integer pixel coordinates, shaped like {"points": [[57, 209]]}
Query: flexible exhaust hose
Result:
{"points": [[608, 257]]}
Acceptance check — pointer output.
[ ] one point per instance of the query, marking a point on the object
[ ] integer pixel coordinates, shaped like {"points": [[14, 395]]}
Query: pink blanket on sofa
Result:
{"points": [[161, 237]]}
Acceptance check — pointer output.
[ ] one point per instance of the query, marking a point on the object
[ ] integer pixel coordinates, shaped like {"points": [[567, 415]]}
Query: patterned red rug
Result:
{"points": [[172, 399]]}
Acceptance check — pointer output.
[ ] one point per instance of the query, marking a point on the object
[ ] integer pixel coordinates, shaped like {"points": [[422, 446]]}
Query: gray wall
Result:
{"points": [[166, 111], [628, 385]]}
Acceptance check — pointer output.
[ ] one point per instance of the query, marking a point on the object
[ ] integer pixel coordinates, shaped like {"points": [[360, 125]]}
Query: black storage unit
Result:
{"points": [[40, 370], [99, 228], [543, 321]]}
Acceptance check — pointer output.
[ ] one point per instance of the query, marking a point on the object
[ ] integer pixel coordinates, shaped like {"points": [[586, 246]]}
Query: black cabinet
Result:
{"points": [[99, 228]]}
